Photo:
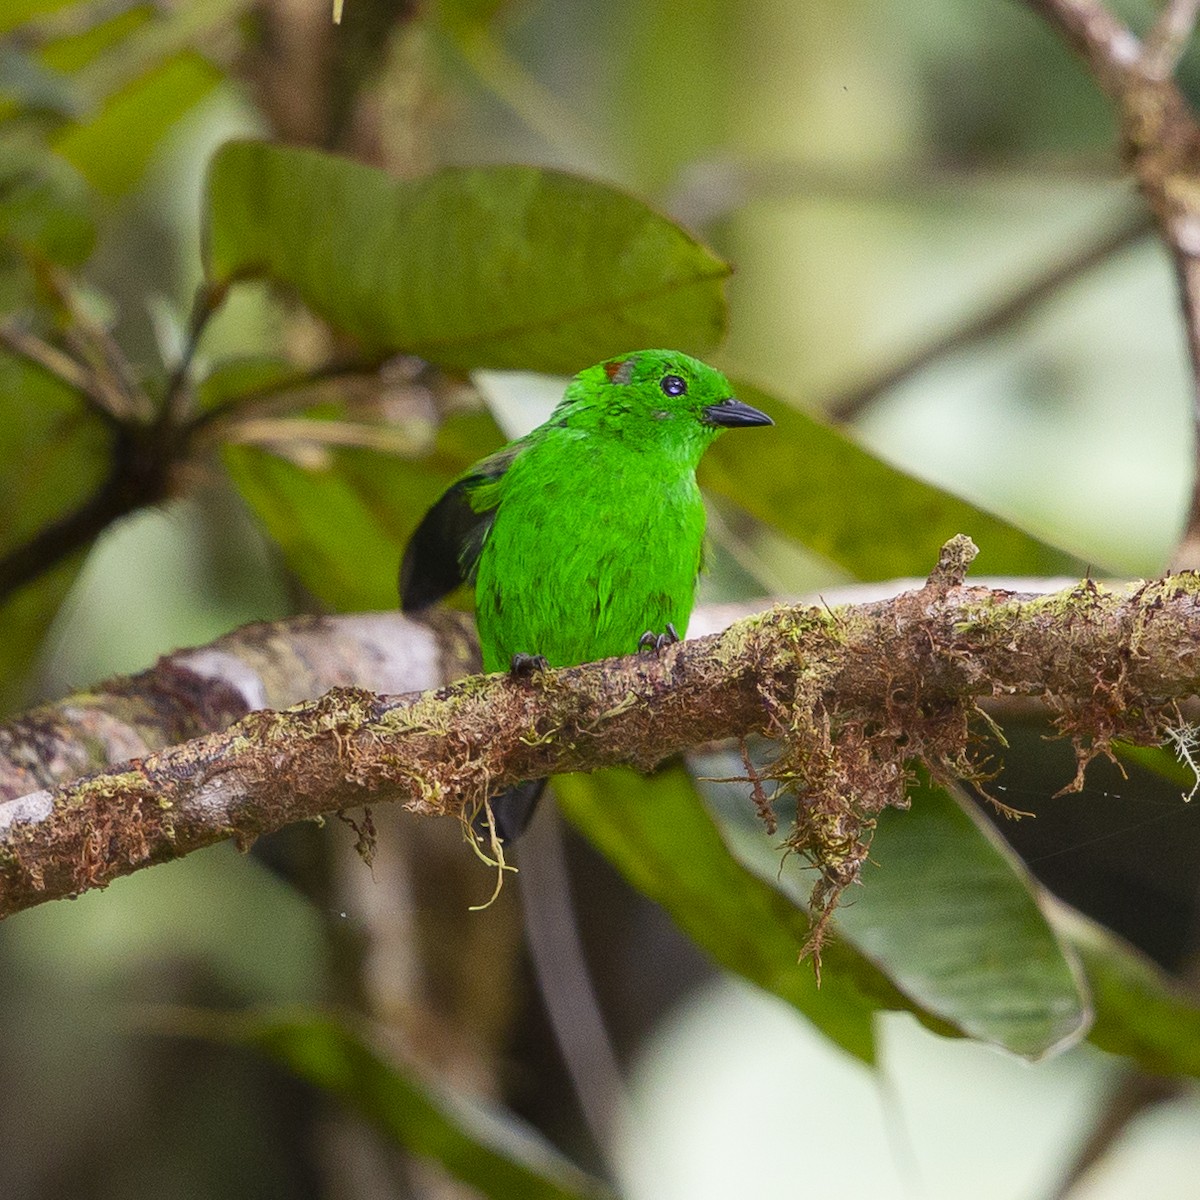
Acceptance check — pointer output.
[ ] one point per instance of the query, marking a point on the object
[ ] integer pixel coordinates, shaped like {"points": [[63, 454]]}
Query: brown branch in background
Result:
{"points": [[853, 694], [178, 397], [114, 383], [995, 318], [1108, 46], [52, 360], [1161, 143], [1169, 38]]}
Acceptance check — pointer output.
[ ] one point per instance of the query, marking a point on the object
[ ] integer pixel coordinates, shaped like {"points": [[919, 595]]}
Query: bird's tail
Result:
{"points": [[512, 810]]}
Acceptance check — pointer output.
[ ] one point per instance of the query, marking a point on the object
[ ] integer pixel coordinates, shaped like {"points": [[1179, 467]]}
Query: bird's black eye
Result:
{"points": [[672, 385]]}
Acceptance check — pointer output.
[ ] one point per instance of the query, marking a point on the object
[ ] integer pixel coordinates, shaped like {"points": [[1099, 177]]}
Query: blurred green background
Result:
{"points": [[882, 176]]}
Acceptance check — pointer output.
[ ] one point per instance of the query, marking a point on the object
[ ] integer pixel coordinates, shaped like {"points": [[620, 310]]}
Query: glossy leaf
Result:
{"points": [[658, 834], [949, 913], [813, 483], [944, 910], [344, 517], [486, 1148], [487, 267]]}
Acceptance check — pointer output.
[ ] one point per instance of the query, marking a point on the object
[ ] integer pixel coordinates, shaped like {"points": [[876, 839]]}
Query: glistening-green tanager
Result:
{"points": [[585, 537]]}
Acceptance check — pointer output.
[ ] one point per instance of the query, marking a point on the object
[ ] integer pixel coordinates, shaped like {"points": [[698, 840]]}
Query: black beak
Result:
{"points": [[733, 414]]}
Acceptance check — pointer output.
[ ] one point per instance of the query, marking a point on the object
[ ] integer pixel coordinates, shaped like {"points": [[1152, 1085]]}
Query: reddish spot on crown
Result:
{"points": [[620, 370]]}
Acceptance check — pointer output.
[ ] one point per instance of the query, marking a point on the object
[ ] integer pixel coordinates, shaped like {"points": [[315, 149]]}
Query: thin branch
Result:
{"points": [[1108, 46], [1161, 142], [287, 432], [271, 396], [1169, 38], [114, 382], [52, 360], [995, 318], [177, 396], [709, 190], [855, 692]]}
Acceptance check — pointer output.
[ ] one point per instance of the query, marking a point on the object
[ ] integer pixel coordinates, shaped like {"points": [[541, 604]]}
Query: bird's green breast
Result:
{"points": [[594, 542]]}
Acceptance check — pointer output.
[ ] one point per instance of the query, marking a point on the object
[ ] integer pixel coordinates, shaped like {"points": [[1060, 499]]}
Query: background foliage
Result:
{"points": [[238, 365]]}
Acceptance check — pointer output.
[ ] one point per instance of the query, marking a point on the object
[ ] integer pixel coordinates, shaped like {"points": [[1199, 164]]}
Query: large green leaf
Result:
{"points": [[488, 267], [486, 1148], [949, 913], [813, 483], [659, 835], [945, 911], [1140, 1011], [343, 519]]}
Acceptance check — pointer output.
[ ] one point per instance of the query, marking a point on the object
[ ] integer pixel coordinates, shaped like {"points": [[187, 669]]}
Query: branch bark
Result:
{"points": [[853, 694]]}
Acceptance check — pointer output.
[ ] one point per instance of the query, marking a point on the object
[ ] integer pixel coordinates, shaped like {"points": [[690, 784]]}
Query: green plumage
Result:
{"points": [[588, 532]]}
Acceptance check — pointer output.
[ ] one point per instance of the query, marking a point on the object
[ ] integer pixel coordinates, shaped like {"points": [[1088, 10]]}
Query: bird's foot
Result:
{"points": [[658, 642], [525, 666]]}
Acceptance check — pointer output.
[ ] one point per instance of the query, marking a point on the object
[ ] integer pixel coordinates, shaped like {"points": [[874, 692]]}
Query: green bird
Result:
{"points": [[585, 538]]}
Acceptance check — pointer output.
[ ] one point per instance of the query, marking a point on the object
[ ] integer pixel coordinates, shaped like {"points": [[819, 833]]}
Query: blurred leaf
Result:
{"points": [[484, 1147], [1141, 1012], [658, 834], [344, 520], [814, 484], [469, 12], [489, 267], [237, 378], [16, 12], [1160, 760], [27, 85], [75, 51], [46, 209], [113, 148], [53, 455], [117, 53], [948, 912]]}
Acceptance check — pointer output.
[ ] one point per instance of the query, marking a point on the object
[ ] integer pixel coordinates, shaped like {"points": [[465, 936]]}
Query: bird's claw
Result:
{"points": [[525, 666], [658, 642]]}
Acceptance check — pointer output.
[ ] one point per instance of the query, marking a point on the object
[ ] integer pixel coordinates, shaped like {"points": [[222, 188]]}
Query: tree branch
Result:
{"points": [[205, 690], [995, 317], [1169, 38], [1161, 143], [854, 694], [1107, 45]]}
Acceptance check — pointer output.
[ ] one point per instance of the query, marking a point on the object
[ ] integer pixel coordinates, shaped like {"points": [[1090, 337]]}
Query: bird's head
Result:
{"points": [[657, 399]]}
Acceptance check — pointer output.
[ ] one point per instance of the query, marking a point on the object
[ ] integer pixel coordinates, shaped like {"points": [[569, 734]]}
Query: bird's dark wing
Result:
{"points": [[445, 547]]}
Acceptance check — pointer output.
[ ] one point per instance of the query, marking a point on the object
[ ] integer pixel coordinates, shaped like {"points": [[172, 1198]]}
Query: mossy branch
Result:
{"points": [[853, 694]]}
